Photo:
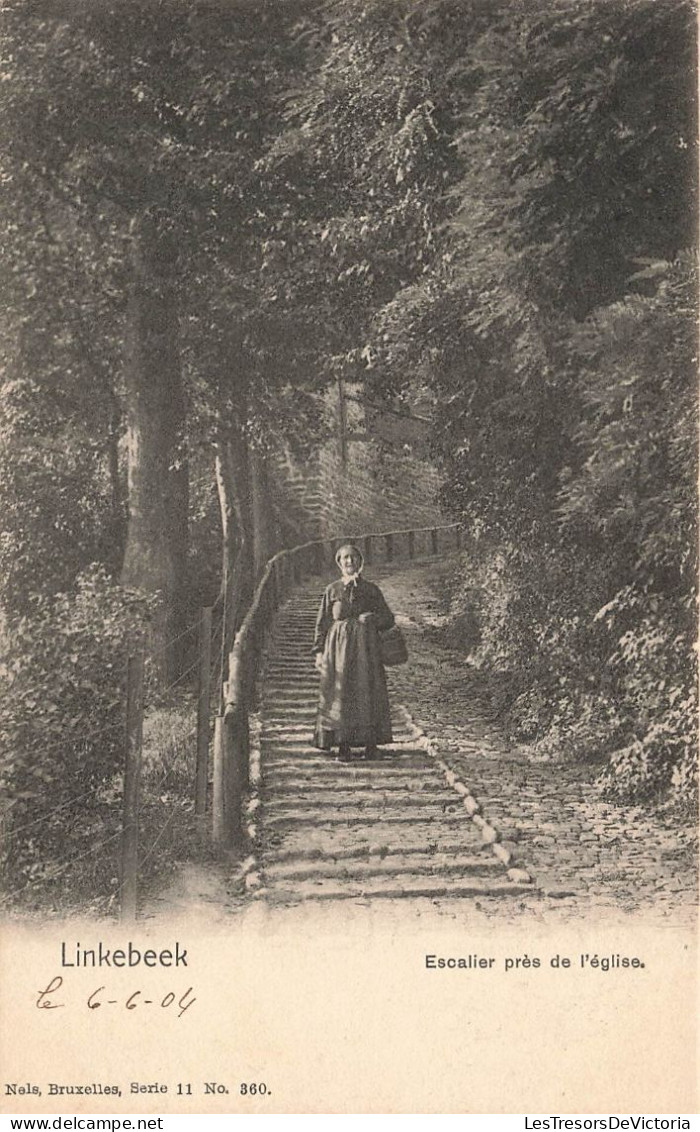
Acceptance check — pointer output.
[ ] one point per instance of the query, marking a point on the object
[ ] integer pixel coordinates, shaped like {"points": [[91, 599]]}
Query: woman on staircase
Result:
{"points": [[354, 705]]}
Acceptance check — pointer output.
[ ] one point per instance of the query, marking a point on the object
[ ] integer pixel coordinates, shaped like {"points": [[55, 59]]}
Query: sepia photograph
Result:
{"points": [[348, 556]]}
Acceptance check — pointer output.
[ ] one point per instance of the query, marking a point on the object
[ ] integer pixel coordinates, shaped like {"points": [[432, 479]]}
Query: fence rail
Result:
{"points": [[223, 708], [282, 572]]}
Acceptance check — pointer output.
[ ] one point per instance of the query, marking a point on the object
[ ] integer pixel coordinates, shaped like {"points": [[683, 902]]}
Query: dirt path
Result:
{"points": [[586, 854]]}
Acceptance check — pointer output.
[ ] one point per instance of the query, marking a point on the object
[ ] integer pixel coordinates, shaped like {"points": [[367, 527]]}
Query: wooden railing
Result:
{"points": [[285, 570]]}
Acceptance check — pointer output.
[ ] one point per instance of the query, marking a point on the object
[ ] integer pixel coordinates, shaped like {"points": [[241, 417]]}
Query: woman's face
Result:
{"points": [[349, 563]]}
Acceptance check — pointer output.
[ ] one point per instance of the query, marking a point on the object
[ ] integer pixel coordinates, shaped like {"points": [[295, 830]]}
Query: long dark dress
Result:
{"points": [[353, 704]]}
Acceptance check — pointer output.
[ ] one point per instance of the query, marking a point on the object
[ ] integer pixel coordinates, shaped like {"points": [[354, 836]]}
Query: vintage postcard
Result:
{"points": [[348, 482]]}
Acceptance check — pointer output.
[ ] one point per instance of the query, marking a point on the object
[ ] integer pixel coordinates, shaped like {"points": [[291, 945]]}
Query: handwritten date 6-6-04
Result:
{"points": [[47, 999]]}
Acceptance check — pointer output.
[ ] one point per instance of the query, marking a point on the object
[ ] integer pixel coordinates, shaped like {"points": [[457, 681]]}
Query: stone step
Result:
{"points": [[303, 689], [292, 711], [290, 816], [279, 720], [278, 677], [292, 680], [289, 842], [272, 691], [291, 668], [293, 627], [331, 790], [306, 697], [269, 703], [299, 717], [301, 686], [298, 653], [392, 865], [411, 778], [286, 629], [300, 734], [297, 744], [331, 779], [391, 888], [299, 753], [298, 644], [292, 638], [311, 759], [340, 850], [356, 798], [294, 659], [280, 725], [297, 640], [286, 735]]}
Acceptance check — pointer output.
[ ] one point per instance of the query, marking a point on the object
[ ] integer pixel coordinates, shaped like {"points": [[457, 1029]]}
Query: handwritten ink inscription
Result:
{"points": [[51, 999]]}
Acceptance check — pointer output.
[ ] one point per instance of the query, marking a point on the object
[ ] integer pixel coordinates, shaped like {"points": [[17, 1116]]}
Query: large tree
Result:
{"points": [[142, 126]]}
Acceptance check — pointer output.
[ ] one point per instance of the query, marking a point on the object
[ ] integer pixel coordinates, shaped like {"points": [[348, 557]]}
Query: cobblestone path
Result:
{"points": [[590, 857], [397, 826]]}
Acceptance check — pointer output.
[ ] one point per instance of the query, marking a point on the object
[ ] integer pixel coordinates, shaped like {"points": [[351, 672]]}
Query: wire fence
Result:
{"points": [[200, 774]]}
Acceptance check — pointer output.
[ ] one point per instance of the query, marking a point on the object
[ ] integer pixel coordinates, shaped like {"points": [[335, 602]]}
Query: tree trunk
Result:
{"points": [[115, 533], [156, 541], [263, 519], [232, 478]]}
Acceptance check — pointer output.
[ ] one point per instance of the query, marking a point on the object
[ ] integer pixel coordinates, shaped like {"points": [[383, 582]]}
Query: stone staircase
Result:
{"points": [[325, 829]]}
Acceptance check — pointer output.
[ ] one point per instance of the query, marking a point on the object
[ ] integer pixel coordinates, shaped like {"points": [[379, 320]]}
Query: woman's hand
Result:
{"points": [[318, 661], [364, 618]]}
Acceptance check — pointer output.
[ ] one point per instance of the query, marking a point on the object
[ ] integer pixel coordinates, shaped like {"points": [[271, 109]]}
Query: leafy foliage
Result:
{"points": [[555, 326], [62, 721]]}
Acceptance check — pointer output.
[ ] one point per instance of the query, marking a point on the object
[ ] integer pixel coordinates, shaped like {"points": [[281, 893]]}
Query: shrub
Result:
{"points": [[586, 678], [62, 721]]}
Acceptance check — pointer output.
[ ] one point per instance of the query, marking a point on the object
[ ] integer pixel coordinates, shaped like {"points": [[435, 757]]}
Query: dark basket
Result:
{"points": [[393, 647]]}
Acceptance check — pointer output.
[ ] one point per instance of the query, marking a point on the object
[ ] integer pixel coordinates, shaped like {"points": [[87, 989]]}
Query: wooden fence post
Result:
{"points": [[411, 544], [203, 707], [231, 748], [218, 804], [238, 769], [276, 583], [434, 540], [132, 782], [230, 773], [389, 539]]}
